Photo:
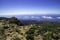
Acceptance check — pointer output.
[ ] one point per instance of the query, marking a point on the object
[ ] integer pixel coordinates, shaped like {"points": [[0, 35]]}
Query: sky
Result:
{"points": [[29, 7]]}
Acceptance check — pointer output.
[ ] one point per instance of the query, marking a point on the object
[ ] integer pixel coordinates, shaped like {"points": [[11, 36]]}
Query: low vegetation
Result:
{"points": [[13, 29]]}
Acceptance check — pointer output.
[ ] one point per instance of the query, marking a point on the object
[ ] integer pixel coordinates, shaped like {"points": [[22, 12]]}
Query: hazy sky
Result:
{"points": [[22, 7]]}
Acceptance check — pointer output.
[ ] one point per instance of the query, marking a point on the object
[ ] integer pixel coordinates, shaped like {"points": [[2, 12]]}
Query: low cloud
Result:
{"points": [[58, 17], [35, 17], [31, 17], [47, 17]]}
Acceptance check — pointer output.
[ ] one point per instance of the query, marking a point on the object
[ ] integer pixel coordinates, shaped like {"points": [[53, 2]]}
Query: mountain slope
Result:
{"points": [[44, 30]]}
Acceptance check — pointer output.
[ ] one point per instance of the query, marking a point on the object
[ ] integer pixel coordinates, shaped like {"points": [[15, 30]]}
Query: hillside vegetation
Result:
{"points": [[13, 29]]}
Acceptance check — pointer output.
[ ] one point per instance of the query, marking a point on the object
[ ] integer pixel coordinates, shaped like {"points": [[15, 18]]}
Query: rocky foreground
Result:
{"points": [[13, 29]]}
